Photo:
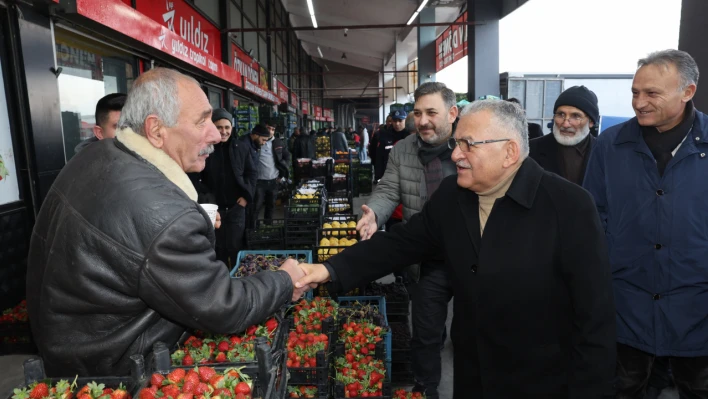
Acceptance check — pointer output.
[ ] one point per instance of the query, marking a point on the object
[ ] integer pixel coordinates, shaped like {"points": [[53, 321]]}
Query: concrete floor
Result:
{"points": [[11, 374]]}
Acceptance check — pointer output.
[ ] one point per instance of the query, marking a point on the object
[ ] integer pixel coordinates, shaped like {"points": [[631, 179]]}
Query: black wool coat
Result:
{"points": [[544, 150], [534, 315]]}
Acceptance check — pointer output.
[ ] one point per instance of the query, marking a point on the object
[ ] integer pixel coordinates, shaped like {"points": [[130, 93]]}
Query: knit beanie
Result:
{"points": [[219, 114], [581, 98]]}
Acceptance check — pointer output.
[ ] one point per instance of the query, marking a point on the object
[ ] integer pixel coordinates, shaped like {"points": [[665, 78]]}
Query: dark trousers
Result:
{"points": [[266, 193], [430, 300], [634, 368], [229, 238]]}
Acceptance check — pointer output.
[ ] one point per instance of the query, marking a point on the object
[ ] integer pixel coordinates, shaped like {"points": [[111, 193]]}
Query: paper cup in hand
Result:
{"points": [[211, 209]]}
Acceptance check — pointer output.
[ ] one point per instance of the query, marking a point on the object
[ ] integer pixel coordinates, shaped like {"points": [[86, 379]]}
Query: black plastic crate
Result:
{"points": [[268, 375], [338, 218], [379, 352], [400, 355], [400, 335], [349, 233], [322, 169], [321, 254], [34, 372], [396, 294], [304, 211], [397, 318], [339, 183], [323, 392], [266, 236], [402, 378], [386, 391], [302, 168]]}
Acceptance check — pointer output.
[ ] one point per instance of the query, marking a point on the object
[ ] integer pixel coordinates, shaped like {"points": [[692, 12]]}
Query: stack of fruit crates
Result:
{"points": [[322, 168], [266, 236], [336, 233], [246, 119], [313, 328], [398, 315], [340, 203], [322, 147], [15, 334], [365, 178], [367, 313], [302, 216], [302, 169]]}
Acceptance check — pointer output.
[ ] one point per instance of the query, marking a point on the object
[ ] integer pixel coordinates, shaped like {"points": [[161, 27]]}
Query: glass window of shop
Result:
{"points": [[90, 71], [210, 8]]}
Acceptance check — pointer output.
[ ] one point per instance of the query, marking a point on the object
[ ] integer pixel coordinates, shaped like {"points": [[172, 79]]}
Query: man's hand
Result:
{"points": [[367, 224], [315, 275], [217, 224], [296, 273], [242, 201]]}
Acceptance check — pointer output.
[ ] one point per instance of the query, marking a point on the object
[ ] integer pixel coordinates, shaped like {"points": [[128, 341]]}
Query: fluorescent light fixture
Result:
{"points": [[312, 13], [410, 21], [326, 67], [422, 5], [320, 51]]}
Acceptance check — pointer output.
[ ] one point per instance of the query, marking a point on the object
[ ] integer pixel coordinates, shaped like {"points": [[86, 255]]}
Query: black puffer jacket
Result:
{"points": [[122, 257]]}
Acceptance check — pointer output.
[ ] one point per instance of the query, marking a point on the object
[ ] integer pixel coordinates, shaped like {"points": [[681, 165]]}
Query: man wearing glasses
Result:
{"points": [[534, 315], [567, 150]]}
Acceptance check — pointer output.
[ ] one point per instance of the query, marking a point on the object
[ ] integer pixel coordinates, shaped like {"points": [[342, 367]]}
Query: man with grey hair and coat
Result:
{"points": [[416, 166], [648, 177], [122, 256], [534, 315]]}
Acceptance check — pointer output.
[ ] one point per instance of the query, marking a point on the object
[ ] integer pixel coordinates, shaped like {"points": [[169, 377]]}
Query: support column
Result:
{"points": [[483, 48], [426, 46], [692, 34], [401, 78]]}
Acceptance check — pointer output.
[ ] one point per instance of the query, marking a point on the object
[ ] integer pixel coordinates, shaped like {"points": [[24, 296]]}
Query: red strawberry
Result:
{"points": [[189, 387], [271, 324], [224, 346], [188, 360], [171, 390], [251, 330], [185, 396], [176, 375], [205, 373], [234, 340], [220, 358], [243, 388], [201, 389], [120, 393], [192, 376], [146, 393], [157, 379], [39, 391]]}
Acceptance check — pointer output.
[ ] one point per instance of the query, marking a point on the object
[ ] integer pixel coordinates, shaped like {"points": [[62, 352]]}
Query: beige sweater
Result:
{"points": [[487, 198]]}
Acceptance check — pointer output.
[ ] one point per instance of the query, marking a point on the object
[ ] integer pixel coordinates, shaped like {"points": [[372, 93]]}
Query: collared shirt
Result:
{"points": [[572, 160], [266, 168]]}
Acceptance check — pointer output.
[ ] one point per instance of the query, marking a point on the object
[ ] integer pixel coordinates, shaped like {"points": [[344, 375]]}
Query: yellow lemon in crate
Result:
{"points": [[352, 241], [324, 242], [334, 242], [351, 224], [333, 251]]}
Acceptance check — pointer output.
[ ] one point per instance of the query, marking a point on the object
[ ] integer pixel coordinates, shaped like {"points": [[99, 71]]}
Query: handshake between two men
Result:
{"points": [[305, 276]]}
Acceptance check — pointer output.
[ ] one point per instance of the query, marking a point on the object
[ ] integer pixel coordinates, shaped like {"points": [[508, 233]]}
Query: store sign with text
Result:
{"points": [[115, 14], [181, 18], [245, 64], [328, 115], [451, 45], [305, 107], [318, 112], [365, 120], [267, 95], [293, 99], [282, 92]]}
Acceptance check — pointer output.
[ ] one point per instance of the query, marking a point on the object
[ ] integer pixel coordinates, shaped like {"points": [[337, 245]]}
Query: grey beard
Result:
{"points": [[206, 151], [580, 134]]}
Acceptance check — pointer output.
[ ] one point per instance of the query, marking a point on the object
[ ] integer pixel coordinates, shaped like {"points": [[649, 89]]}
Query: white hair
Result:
{"points": [[155, 92], [510, 116]]}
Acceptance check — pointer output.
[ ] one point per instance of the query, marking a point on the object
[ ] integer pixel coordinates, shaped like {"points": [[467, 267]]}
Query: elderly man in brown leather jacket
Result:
{"points": [[122, 256]]}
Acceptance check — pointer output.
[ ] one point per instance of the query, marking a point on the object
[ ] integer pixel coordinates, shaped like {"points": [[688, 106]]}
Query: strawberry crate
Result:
{"points": [[310, 391], [376, 313], [278, 343], [263, 256], [339, 391], [34, 373], [268, 376]]}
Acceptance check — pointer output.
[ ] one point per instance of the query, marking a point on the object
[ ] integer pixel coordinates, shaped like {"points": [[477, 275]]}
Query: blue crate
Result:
{"points": [[381, 303], [307, 254], [295, 253]]}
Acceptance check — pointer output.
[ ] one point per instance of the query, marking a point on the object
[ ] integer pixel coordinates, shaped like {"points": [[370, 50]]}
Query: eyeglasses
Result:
{"points": [[572, 118], [465, 144]]}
